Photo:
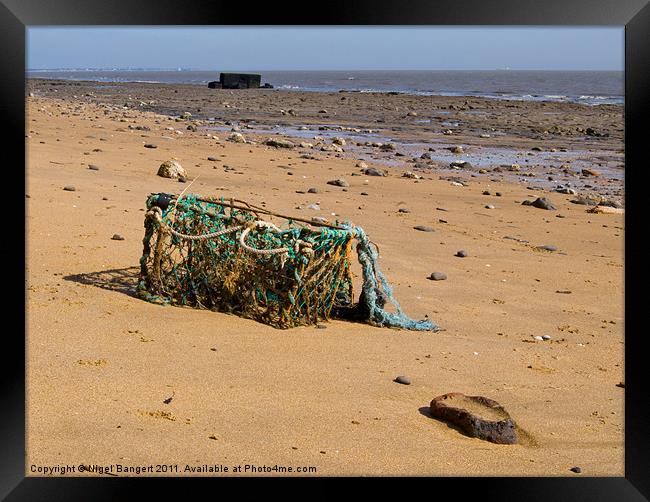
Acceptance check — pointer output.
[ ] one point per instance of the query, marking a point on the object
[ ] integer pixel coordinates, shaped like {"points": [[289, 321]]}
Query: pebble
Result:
{"points": [[486, 192], [489, 206], [498, 194], [546, 337], [339, 183], [213, 159], [403, 380], [577, 470], [117, 237], [540, 203], [438, 276], [403, 210], [315, 207], [150, 145], [93, 167], [312, 190], [462, 253], [321, 326], [364, 193], [423, 228], [371, 171], [69, 188], [548, 247]]}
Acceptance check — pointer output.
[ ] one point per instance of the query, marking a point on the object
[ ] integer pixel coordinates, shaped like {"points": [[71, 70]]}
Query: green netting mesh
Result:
{"points": [[218, 255]]}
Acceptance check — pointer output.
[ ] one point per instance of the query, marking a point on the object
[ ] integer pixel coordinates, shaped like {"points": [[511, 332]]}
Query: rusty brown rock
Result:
{"points": [[477, 416]]}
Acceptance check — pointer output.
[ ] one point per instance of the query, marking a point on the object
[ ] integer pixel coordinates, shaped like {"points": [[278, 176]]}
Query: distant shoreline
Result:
{"points": [[582, 87]]}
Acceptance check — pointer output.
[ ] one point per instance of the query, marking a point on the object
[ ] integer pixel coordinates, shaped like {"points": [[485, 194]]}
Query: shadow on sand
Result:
{"points": [[122, 280]]}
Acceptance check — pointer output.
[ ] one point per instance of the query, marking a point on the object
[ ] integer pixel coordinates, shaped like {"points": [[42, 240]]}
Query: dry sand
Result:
{"points": [[102, 365]]}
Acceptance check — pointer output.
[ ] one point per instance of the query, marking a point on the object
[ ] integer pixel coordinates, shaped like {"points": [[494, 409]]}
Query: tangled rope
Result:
{"points": [[298, 277]]}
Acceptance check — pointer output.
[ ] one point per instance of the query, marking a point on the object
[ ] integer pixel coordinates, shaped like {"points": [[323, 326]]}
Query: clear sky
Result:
{"points": [[327, 48]]}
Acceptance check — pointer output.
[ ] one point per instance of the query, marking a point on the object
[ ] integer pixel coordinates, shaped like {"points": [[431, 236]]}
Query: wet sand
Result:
{"points": [[102, 365]]}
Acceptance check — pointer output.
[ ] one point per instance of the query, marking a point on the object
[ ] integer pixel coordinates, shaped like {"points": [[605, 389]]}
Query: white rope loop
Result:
{"points": [[300, 245]]}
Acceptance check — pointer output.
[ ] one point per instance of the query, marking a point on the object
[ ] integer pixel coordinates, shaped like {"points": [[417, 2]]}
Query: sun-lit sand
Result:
{"points": [[112, 379]]}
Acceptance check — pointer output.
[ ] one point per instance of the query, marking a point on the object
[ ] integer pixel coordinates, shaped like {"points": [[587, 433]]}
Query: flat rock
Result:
{"points": [[371, 171], [279, 143], [423, 228], [477, 416], [540, 203]]}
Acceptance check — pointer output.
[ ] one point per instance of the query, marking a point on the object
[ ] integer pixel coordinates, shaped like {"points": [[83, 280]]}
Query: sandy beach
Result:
{"points": [[115, 380]]}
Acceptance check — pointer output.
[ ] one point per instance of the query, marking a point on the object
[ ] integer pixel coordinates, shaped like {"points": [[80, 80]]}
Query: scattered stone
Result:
{"points": [[213, 159], [563, 291], [590, 172], [486, 192], [150, 145], [536, 149], [321, 326], [279, 143], [411, 175], [404, 380], [340, 182], [387, 147], [498, 194], [423, 228], [338, 140], [565, 190], [93, 167], [606, 210], [546, 337], [171, 169], [489, 206], [548, 247], [117, 237], [540, 203], [426, 156], [456, 149], [412, 114], [236, 137], [462, 253], [438, 276], [576, 469], [319, 219], [477, 416], [362, 165], [69, 188], [314, 207], [403, 210], [364, 193], [312, 190], [460, 165], [371, 171]]}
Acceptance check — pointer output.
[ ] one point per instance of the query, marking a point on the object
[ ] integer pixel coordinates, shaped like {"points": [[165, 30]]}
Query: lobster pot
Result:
{"points": [[228, 257]]}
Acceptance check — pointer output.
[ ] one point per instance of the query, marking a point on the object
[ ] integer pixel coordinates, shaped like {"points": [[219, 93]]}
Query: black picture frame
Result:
{"points": [[16, 15]]}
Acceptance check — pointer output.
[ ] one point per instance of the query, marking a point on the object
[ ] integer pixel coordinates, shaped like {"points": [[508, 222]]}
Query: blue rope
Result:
{"points": [[368, 259]]}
